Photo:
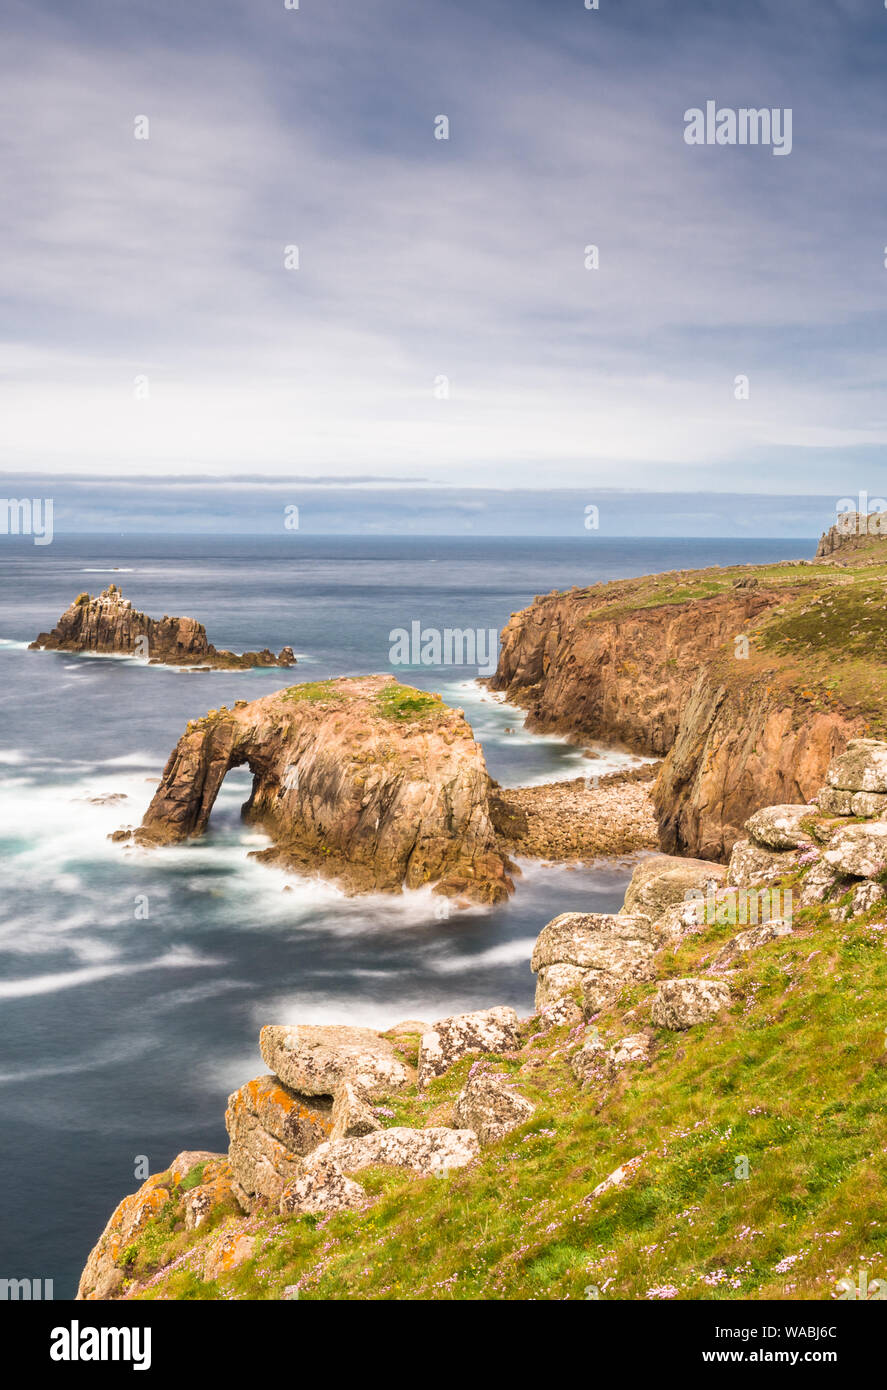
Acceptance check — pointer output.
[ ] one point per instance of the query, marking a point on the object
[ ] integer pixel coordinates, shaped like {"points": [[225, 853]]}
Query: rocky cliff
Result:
{"points": [[694, 1108], [109, 623], [595, 663], [747, 679], [365, 780]]}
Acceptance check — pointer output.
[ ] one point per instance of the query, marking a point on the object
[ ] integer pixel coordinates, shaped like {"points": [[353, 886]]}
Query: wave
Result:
{"points": [[123, 1049], [178, 958], [506, 953]]}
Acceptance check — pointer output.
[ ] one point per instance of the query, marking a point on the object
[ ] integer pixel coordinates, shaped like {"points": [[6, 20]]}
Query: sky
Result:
{"points": [[442, 330]]}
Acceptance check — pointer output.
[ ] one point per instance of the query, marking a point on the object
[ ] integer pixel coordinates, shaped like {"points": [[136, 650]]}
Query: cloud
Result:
{"points": [[163, 259]]}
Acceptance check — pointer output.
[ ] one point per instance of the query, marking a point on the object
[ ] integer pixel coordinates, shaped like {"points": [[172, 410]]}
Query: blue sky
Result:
{"points": [[157, 266]]}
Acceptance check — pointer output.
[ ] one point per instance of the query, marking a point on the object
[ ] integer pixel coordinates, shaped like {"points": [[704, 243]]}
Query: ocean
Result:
{"points": [[133, 984]]}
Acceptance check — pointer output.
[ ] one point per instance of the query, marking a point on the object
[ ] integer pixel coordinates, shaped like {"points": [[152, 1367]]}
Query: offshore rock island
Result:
{"points": [[109, 624], [743, 682], [364, 780]]}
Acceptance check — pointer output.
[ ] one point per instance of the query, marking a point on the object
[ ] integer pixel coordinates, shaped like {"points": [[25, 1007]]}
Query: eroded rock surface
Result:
{"points": [[316, 1058], [104, 1272], [598, 952], [363, 780], [661, 880], [323, 1190], [862, 767], [752, 865], [424, 1151], [780, 827], [732, 954], [859, 850], [271, 1126], [594, 1061]]}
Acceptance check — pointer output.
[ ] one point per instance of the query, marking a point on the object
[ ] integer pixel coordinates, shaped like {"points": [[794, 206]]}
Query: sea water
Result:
{"points": [[133, 984]]}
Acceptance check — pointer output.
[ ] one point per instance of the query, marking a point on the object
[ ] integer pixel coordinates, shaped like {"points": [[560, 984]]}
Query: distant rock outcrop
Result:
{"points": [[363, 780], [110, 624], [851, 533]]}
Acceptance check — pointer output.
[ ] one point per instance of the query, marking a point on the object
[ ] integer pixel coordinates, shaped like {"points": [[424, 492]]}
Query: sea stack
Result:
{"points": [[363, 780], [110, 624]]}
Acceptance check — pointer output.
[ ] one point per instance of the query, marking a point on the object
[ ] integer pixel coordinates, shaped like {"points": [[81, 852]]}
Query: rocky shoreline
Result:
{"points": [[307, 1137], [586, 818]]}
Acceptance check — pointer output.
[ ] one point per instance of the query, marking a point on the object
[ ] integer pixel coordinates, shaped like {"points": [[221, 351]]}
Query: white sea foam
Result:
{"points": [[179, 958], [124, 1049], [506, 953]]}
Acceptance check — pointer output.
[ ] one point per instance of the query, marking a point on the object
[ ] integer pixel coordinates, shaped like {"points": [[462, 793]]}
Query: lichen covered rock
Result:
{"points": [[489, 1105], [316, 1058], [450, 1039], [779, 827], [594, 1061], [751, 864], [859, 850], [862, 767], [104, 1272], [596, 951], [271, 1127], [664, 879], [681, 1004], [426, 1152], [556, 983], [745, 941], [323, 1190]]}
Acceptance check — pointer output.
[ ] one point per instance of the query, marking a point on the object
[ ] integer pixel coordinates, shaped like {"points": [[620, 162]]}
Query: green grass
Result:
{"points": [[193, 1177], [312, 692], [404, 702], [792, 1082]]}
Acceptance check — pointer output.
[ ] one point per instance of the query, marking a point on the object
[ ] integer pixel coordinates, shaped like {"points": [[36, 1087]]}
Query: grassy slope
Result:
{"points": [[793, 1078]]}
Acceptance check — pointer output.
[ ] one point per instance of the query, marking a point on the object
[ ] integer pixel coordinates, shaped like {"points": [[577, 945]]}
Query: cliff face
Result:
{"points": [[623, 677], [712, 669], [364, 780], [739, 746], [110, 624]]}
